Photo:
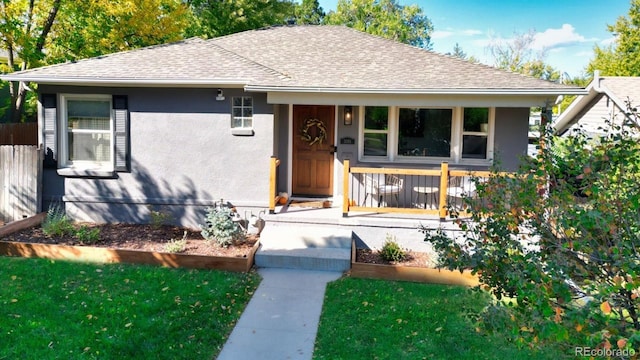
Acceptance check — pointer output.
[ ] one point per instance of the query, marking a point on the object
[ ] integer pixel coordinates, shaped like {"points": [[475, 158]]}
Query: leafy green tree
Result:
{"points": [[309, 12], [459, 53], [91, 28], [222, 17], [620, 58], [557, 242], [386, 18], [24, 30], [37, 32]]}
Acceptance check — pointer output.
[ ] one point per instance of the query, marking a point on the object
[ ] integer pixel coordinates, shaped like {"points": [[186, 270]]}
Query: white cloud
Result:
{"points": [[609, 41], [441, 34], [471, 32], [449, 32], [552, 38]]}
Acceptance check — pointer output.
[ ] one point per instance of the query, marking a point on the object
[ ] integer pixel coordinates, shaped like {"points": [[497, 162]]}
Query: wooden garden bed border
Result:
{"points": [[408, 273], [108, 255]]}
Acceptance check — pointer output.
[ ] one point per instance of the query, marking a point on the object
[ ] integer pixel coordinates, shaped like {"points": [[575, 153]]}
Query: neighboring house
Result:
{"points": [[182, 125], [606, 100]]}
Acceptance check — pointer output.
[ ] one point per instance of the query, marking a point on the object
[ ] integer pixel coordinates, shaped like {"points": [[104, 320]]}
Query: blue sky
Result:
{"points": [[567, 30]]}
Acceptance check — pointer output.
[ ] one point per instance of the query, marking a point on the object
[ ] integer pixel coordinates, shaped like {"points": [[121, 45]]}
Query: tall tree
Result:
{"points": [[36, 32], [458, 52], [91, 28], [386, 18], [221, 17], [309, 12], [24, 29], [620, 58], [517, 55]]}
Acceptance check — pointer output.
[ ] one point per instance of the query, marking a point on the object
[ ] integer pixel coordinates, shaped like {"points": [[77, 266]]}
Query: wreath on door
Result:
{"points": [[313, 137]]}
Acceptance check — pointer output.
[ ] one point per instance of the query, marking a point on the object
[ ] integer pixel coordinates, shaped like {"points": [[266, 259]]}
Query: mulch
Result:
{"points": [[140, 237], [412, 258]]}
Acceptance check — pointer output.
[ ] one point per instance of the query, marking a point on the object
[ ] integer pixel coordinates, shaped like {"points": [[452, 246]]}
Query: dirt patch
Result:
{"points": [[140, 237], [412, 258]]}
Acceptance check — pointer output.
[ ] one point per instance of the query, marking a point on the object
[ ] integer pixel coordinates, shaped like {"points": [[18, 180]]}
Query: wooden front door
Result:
{"points": [[313, 134]]}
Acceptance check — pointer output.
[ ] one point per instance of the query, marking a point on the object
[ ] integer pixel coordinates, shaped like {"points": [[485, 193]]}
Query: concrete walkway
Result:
{"points": [[281, 319]]}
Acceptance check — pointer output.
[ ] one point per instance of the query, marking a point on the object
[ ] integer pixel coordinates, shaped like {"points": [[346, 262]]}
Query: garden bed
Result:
{"points": [[417, 269], [139, 244]]}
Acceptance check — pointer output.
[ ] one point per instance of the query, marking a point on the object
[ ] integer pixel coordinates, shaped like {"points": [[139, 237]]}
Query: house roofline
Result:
{"points": [[443, 91], [128, 82], [594, 89]]}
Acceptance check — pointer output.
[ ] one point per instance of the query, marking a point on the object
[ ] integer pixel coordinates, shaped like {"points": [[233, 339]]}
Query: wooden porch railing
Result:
{"points": [[438, 187]]}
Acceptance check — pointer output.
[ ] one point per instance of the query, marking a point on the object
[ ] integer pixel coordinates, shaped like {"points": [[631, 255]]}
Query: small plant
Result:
{"points": [[57, 223], [159, 218], [391, 250], [176, 246], [87, 235], [219, 226]]}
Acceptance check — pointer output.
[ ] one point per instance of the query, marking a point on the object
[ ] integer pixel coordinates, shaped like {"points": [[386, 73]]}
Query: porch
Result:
{"points": [[382, 195]]}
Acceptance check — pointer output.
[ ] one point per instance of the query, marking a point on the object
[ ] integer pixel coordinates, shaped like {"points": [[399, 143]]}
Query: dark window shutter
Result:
{"points": [[49, 126], [121, 119]]}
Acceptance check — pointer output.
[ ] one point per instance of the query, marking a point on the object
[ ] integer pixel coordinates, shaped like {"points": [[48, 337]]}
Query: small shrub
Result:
{"points": [[176, 246], [159, 218], [57, 223], [391, 250], [87, 235], [220, 228]]}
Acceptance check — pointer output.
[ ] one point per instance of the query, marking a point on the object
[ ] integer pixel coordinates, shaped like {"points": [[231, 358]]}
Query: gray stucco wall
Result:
{"points": [[183, 158], [511, 135]]}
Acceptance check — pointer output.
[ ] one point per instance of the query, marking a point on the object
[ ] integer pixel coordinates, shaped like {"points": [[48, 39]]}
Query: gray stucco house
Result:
{"points": [[182, 125], [605, 100]]}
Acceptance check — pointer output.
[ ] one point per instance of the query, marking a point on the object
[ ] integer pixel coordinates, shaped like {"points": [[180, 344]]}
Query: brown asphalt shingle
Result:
{"points": [[300, 57]]}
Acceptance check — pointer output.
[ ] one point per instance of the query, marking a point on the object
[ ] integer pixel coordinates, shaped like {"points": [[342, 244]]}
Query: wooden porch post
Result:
{"points": [[444, 182], [345, 188], [273, 166]]}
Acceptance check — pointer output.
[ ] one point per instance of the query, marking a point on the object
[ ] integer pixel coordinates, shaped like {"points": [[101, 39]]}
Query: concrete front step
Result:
{"points": [[304, 247]]}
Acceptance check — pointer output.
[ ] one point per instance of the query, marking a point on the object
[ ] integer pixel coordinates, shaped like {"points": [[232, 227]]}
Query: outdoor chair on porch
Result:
{"points": [[459, 188], [381, 186]]}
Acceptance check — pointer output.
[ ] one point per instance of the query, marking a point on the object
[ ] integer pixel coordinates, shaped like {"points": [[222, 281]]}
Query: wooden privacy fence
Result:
{"points": [[20, 182], [19, 134]]}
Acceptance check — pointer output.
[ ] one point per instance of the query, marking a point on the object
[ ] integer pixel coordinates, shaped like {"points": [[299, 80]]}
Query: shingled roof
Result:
{"points": [[619, 89], [301, 58]]}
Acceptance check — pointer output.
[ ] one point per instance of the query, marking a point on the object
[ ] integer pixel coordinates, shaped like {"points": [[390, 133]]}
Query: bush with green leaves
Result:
{"points": [[391, 250], [557, 242], [87, 235], [159, 218], [219, 226], [175, 245], [56, 223]]}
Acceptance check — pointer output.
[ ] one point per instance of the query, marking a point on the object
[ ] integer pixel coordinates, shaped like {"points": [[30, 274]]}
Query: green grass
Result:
{"points": [[64, 310], [376, 319]]}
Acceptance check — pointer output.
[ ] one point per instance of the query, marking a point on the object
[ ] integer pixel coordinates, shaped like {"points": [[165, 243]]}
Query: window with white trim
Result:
{"points": [[376, 130], [429, 134], [424, 132], [88, 140], [475, 133], [242, 112]]}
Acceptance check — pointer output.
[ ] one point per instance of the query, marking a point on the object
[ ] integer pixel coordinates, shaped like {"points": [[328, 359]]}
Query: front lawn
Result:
{"points": [[377, 319], [55, 309]]}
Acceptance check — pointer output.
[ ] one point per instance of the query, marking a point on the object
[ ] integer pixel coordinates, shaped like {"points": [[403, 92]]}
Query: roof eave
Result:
{"points": [[446, 91], [130, 82], [565, 119]]}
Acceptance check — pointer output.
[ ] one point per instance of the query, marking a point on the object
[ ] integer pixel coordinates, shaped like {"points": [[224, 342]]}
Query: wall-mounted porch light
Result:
{"points": [[348, 115], [220, 95]]}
